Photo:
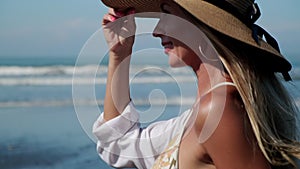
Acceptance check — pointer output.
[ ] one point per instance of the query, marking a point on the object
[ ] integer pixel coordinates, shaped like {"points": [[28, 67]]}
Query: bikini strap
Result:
{"points": [[219, 85], [213, 88]]}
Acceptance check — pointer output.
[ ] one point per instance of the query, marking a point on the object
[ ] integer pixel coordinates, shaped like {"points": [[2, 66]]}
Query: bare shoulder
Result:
{"points": [[221, 125], [213, 106]]}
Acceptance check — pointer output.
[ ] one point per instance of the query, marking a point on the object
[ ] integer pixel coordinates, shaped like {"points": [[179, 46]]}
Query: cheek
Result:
{"points": [[182, 56]]}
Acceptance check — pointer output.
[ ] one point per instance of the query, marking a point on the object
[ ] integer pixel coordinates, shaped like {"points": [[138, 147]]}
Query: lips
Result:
{"points": [[167, 44]]}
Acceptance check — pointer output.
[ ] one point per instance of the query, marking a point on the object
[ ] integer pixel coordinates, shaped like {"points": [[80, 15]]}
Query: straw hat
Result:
{"points": [[233, 18]]}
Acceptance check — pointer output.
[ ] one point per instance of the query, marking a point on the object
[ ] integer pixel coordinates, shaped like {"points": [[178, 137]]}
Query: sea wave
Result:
{"points": [[173, 101], [49, 70], [295, 73], [95, 74], [9, 71], [56, 81]]}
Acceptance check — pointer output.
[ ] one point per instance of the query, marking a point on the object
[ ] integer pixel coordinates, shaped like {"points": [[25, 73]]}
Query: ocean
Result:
{"points": [[47, 112]]}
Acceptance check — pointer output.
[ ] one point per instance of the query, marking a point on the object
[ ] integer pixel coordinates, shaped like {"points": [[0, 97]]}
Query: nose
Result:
{"points": [[155, 34]]}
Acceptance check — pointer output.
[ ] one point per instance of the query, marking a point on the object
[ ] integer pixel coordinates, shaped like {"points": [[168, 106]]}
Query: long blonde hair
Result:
{"points": [[271, 110]]}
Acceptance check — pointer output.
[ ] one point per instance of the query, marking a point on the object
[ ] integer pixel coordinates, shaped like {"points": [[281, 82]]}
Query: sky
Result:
{"points": [[60, 28]]}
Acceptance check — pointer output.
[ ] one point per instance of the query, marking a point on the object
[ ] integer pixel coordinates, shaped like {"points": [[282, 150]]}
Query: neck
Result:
{"points": [[208, 76]]}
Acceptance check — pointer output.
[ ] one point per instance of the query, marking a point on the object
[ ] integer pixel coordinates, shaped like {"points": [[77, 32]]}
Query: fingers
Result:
{"points": [[121, 12], [107, 18], [114, 14], [119, 34]]}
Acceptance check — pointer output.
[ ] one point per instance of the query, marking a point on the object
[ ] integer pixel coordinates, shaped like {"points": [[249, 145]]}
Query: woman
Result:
{"points": [[243, 117]]}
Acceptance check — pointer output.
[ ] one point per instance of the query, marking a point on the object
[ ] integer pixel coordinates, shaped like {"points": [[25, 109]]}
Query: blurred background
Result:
{"points": [[40, 42]]}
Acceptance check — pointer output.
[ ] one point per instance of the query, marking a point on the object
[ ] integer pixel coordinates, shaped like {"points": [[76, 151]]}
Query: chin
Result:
{"points": [[174, 61], [176, 65]]}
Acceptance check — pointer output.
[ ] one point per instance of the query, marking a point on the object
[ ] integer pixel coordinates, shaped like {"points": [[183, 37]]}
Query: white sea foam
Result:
{"points": [[295, 73], [49, 70], [78, 70], [298, 102], [54, 81], [94, 74], [187, 101], [87, 75]]}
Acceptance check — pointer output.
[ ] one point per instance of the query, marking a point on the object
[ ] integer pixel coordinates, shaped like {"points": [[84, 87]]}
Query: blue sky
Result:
{"points": [[47, 28]]}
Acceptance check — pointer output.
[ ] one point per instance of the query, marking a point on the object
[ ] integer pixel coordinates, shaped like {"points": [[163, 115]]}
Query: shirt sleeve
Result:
{"points": [[123, 143]]}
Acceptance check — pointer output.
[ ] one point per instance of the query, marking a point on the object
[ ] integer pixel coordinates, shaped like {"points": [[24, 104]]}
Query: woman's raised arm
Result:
{"points": [[119, 30]]}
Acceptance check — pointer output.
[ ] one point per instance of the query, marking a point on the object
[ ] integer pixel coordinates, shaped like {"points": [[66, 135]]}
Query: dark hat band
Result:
{"points": [[247, 12], [249, 17]]}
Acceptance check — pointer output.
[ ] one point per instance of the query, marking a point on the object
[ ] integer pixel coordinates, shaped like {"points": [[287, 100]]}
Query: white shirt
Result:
{"points": [[123, 143]]}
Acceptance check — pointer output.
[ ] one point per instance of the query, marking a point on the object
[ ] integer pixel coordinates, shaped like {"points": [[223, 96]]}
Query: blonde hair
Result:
{"points": [[271, 110]]}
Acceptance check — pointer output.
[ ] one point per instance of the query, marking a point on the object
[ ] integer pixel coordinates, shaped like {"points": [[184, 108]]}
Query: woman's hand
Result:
{"points": [[119, 30]]}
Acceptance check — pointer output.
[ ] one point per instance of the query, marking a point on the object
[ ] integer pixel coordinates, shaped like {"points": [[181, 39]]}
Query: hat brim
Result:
{"points": [[219, 20]]}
